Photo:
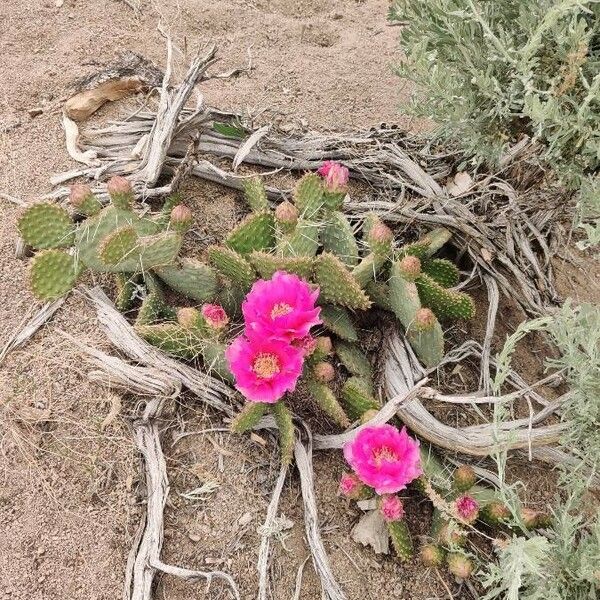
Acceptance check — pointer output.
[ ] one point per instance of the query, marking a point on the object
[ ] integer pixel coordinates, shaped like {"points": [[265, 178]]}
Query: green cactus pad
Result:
{"points": [[354, 359], [230, 297], [89, 207], [255, 232], [267, 264], [126, 284], [358, 398], [233, 266], [337, 285], [283, 418], [308, 196], [338, 238], [118, 246], [255, 194], [379, 292], [404, 296], [442, 271], [339, 321], [302, 241], [427, 245], [370, 219], [446, 304], [428, 344], [368, 268], [173, 339], [53, 274], [191, 278], [401, 540], [328, 403], [213, 356], [249, 416], [152, 309], [46, 226]]}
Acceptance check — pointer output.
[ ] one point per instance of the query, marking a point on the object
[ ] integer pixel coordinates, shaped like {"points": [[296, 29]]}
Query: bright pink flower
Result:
{"points": [[214, 315], [384, 458], [467, 508], [282, 308], [391, 508], [264, 369], [335, 175], [350, 486]]}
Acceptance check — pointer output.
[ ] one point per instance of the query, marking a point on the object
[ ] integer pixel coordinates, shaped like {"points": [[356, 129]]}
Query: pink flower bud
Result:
{"points": [[335, 175], [351, 486], [391, 508], [424, 319], [79, 194], [410, 267], [286, 213], [324, 372], [118, 185], [181, 216], [215, 316], [188, 317], [467, 508], [380, 233]]}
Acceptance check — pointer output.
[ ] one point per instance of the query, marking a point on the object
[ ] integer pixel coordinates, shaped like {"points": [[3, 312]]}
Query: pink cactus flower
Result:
{"points": [[350, 486], [391, 508], [467, 508], [384, 458], [264, 368], [282, 308], [335, 175], [215, 316]]}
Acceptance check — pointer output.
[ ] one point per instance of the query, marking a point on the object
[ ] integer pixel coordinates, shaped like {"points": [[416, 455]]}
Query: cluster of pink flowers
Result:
{"points": [[267, 359], [383, 459], [335, 176]]}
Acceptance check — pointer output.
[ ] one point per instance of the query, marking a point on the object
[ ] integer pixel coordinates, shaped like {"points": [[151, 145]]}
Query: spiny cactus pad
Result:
{"points": [[287, 437], [173, 339], [266, 264], [191, 278], [428, 343], [302, 241], [446, 304], [368, 268], [255, 232], [213, 356], [308, 196], [53, 274], [338, 320], [338, 238], [404, 296], [45, 226], [126, 284], [354, 359], [249, 416], [328, 403], [233, 266], [337, 285], [256, 196], [358, 397], [401, 540], [442, 271]]}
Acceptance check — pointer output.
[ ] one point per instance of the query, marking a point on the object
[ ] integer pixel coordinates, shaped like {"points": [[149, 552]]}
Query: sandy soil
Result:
{"points": [[69, 483]]}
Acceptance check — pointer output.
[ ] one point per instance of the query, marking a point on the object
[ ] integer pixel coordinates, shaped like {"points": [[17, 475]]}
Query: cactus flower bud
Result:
{"points": [[391, 508], [286, 215], [324, 372], [424, 319], [351, 486], [380, 238], [432, 555], [451, 535], [335, 175], [464, 478], [79, 193], [410, 267], [181, 217], [214, 316], [188, 317], [495, 512], [120, 191], [459, 565], [467, 508], [529, 518]]}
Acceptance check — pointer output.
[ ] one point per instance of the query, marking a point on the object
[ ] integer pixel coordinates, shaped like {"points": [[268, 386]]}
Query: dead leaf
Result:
{"points": [[462, 183], [113, 413], [82, 105], [487, 255], [245, 148], [372, 531]]}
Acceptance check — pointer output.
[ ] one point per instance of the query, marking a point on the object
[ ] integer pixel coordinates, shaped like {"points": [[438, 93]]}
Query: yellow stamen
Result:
{"points": [[280, 309], [266, 365]]}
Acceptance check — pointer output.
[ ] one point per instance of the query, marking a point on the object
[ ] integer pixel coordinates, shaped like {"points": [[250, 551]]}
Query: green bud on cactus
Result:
{"points": [[46, 225], [410, 268], [256, 196], [380, 238], [337, 285], [328, 402], [529, 517], [83, 200], [324, 372], [339, 321], [181, 218], [358, 397], [120, 191], [354, 359], [446, 304], [432, 555], [286, 216], [424, 320], [464, 478], [338, 238], [495, 513], [283, 418], [401, 539], [255, 232], [459, 565], [322, 349], [249, 416]]}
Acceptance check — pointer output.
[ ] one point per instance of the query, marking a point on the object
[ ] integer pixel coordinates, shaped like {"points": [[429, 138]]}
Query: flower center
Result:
{"points": [[280, 309], [384, 453], [266, 365]]}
